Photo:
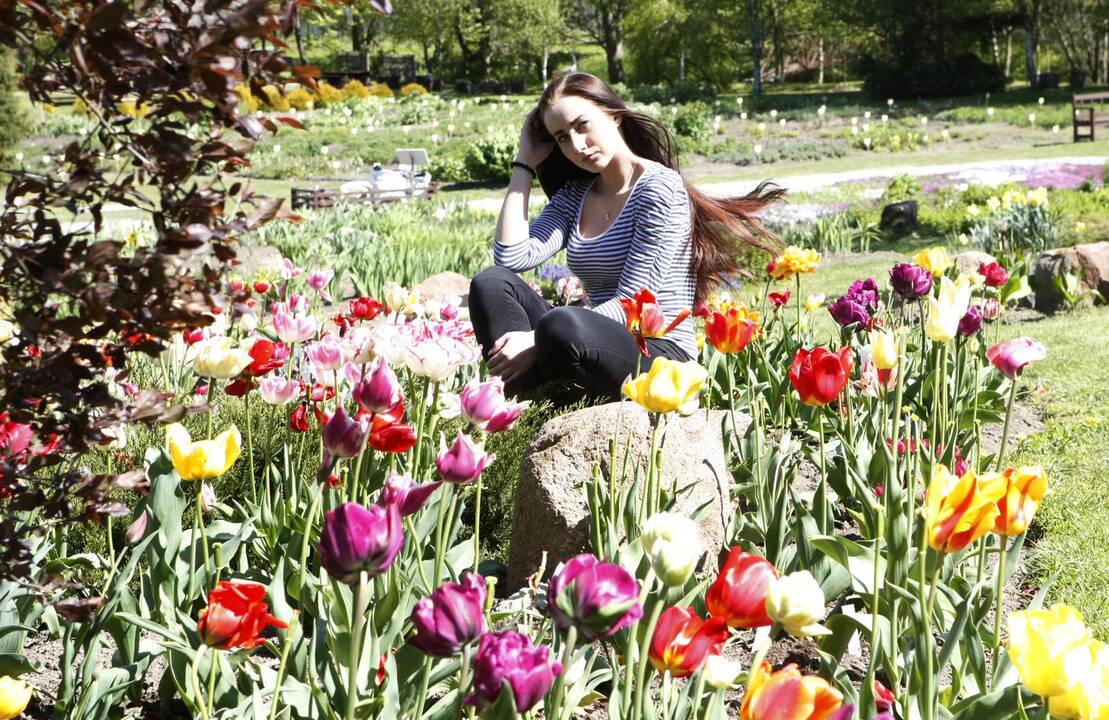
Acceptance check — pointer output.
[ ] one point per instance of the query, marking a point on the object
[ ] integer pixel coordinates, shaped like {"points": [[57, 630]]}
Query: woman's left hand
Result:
{"points": [[513, 355]]}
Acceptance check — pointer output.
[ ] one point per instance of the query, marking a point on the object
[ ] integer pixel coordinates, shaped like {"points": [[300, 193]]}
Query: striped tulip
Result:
{"points": [[682, 641], [959, 510]]}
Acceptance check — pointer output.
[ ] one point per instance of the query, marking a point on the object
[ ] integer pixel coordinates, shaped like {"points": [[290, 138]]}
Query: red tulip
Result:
{"points": [[682, 641], [364, 308], [236, 615], [739, 594], [298, 418], [779, 300], [267, 356], [645, 318], [995, 275], [819, 375], [391, 436]]}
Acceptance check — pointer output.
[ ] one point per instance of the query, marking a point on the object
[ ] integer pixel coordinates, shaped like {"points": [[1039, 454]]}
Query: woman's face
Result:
{"points": [[586, 134]]}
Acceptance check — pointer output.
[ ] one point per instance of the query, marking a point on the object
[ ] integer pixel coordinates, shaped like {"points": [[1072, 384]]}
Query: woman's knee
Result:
{"points": [[558, 331], [490, 280]]}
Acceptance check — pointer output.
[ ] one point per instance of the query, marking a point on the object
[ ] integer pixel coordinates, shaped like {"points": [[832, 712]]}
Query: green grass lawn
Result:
{"points": [[1067, 391]]}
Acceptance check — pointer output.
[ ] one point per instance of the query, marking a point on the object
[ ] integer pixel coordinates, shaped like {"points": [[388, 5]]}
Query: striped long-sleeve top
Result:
{"points": [[647, 246]]}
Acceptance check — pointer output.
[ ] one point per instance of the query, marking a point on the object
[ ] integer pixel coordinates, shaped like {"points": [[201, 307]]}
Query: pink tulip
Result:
{"points": [[1010, 357], [484, 406], [318, 281], [407, 496], [289, 269], [294, 328], [380, 391], [327, 353], [343, 436], [276, 390], [463, 461]]}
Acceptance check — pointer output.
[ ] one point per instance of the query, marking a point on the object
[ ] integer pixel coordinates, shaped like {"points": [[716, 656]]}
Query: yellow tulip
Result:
{"points": [[1088, 699], [959, 510], [934, 260], [993, 203], [813, 302], [945, 312], [1026, 487], [1049, 649], [14, 696], [668, 386], [883, 349], [203, 459], [217, 357]]}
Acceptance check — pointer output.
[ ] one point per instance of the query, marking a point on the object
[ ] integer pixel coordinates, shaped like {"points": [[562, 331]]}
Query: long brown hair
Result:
{"points": [[721, 226]]}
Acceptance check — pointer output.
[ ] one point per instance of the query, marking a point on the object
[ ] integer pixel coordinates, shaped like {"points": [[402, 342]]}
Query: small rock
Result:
{"points": [[445, 286], [551, 512]]}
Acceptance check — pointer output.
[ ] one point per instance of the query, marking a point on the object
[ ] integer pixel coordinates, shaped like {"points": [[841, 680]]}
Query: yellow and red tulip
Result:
{"points": [[785, 694], [959, 510], [682, 641], [731, 330], [645, 318], [1025, 488]]}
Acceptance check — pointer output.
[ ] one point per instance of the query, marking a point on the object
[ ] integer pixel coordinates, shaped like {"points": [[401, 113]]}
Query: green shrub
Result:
{"points": [[681, 92], [694, 121], [902, 187], [489, 159], [16, 121]]}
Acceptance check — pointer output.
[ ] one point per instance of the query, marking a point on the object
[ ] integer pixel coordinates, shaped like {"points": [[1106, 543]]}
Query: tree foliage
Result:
{"points": [[84, 303]]}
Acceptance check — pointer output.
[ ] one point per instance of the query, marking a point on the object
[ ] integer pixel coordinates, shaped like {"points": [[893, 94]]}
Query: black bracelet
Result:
{"points": [[529, 168]]}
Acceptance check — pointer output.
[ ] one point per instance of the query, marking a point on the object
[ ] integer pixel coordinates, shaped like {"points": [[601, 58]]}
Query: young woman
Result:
{"points": [[627, 220]]}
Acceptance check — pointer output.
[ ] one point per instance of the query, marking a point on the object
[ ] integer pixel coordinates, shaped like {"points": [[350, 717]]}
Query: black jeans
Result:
{"points": [[589, 354]]}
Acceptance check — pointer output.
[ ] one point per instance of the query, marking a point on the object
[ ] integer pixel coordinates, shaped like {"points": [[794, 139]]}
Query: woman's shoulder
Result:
{"points": [[658, 179]]}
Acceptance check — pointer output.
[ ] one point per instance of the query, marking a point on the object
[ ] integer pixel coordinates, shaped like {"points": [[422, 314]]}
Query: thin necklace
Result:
{"points": [[604, 206]]}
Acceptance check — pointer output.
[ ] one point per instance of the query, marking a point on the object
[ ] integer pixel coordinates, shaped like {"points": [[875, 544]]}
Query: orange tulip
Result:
{"points": [[1026, 487], [787, 695], [959, 510], [731, 330], [236, 615], [645, 318]]}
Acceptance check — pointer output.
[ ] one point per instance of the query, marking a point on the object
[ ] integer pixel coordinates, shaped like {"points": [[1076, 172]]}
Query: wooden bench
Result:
{"points": [[316, 198], [1090, 111]]}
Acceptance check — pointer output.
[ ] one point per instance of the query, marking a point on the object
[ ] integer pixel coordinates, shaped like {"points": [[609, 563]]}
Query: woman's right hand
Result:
{"points": [[534, 149]]}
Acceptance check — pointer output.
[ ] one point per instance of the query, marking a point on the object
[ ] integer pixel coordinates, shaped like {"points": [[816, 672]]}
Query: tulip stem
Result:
{"points": [[698, 690], [822, 490], [875, 642], [307, 538], [212, 682], [644, 658], [361, 597], [477, 524], [560, 684], [213, 389], [275, 702], [999, 609], [250, 447], [1005, 429], [421, 410], [199, 524], [439, 538], [463, 679]]}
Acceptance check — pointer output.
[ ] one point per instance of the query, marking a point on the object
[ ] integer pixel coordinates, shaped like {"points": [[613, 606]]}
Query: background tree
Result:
{"points": [[12, 109], [603, 22], [1081, 28]]}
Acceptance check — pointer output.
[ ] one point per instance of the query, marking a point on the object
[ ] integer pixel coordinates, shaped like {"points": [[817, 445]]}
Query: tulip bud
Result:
{"points": [[463, 461], [1011, 357], [207, 499], [355, 539], [451, 617], [380, 391], [137, 531], [682, 641], [971, 322], [796, 602], [510, 659], [599, 598], [720, 672], [15, 695], [343, 436], [672, 542]]}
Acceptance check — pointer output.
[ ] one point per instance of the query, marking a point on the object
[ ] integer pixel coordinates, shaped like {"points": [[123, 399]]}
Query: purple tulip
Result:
{"points": [[865, 293], [379, 392], [484, 406], [463, 461], [849, 313], [510, 657], [356, 539], [599, 598], [409, 498], [344, 437], [971, 323], [451, 617], [910, 281]]}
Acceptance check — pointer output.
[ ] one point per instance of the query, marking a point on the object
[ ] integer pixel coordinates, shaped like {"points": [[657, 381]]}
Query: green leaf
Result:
{"points": [[15, 664]]}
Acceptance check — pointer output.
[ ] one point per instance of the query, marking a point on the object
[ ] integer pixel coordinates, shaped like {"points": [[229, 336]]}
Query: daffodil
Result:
{"points": [[668, 386], [204, 459]]}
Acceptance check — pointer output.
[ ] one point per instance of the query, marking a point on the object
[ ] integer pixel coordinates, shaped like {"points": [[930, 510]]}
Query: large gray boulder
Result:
{"points": [[1089, 262], [551, 511]]}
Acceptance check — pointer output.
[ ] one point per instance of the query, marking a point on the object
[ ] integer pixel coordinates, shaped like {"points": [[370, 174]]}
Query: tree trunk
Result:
{"points": [[820, 56], [1008, 53], [300, 41], [614, 48], [681, 65], [357, 36], [1105, 59], [754, 25], [1031, 39], [543, 60], [993, 44]]}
